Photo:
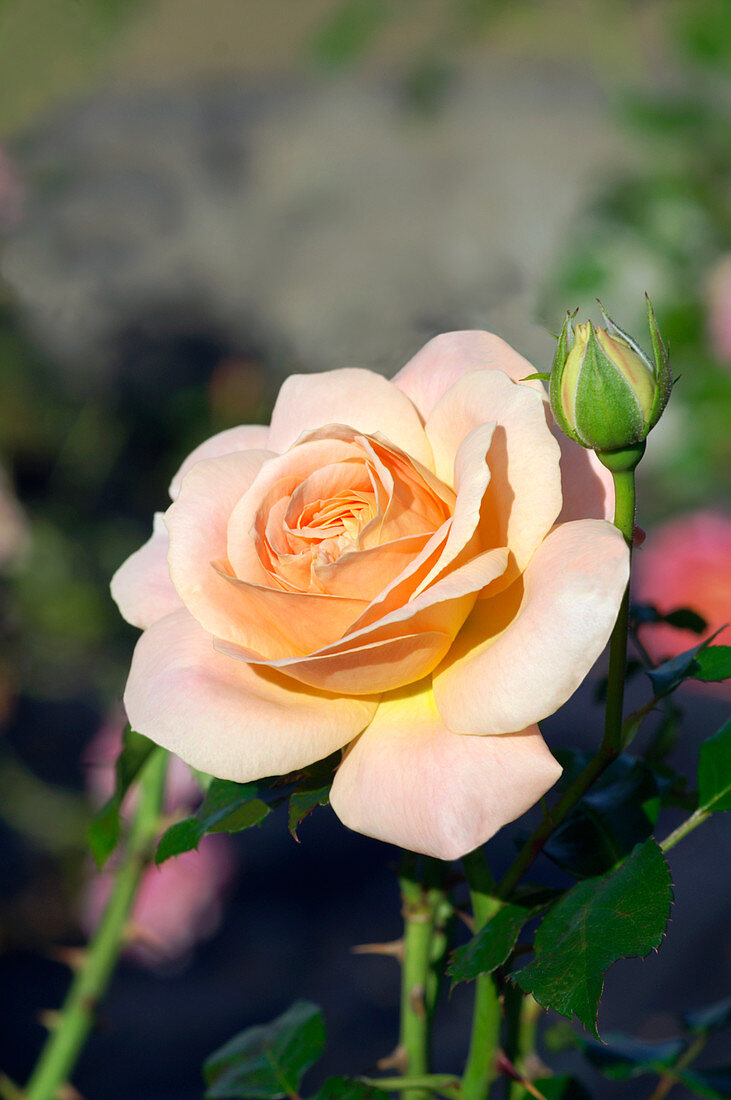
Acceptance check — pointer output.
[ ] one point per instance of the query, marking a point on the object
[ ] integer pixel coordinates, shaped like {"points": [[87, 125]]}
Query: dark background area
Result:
{"points": [[193, 205]]}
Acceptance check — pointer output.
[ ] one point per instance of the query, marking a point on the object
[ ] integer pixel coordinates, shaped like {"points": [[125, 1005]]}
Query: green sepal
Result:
{"points": [[565, 341], [607, 413], [663, 377], [540, 375], [228, 807]]}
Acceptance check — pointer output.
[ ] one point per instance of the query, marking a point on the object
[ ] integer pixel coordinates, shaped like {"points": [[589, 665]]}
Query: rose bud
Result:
{"points": [[605, 392]]}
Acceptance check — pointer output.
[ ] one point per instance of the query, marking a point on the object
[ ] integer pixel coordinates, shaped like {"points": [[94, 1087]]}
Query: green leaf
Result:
{"points": [[710, 1018], [228, 807], [347, 1088], [599, 921], [683, 618], [558, 1088], [686, 666], [313, 789], [491, 946], [268, 1062], [103, 834], [714, 1084], [617, 813], [714, 771], [713, 664]]}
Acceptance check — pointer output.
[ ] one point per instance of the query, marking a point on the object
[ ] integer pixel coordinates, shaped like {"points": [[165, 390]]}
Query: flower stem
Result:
{"points": [[624, 520], [697, 818], [480, 1069], [419, 908], [529, 1014], [75, 1019]]}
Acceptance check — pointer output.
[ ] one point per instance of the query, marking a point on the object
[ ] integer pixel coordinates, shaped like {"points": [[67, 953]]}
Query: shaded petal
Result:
{"points": [[588, 489], [197, 523], [226, 718], [358, 398], [245, 437], [410, 781], [522, 654], [523, 498], [141, 587], [442, 362]]}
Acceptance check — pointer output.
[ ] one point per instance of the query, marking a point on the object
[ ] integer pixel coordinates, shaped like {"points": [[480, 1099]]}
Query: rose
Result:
{"points": [[686, 562], [380, 569]]}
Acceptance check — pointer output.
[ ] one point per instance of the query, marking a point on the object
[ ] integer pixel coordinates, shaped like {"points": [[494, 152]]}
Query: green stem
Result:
{"points": [[444, 1083], [611, 746], [684, 828], [529, 1014], [480, 1069], [64, 1044], [418, 913], [624, 520]]}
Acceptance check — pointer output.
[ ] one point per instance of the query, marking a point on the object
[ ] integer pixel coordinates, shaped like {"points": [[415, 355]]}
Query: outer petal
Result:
{"points": [[225, 717], [359, 398], [523, 498], [442, 362], [245, 437], [522, 654], [198, 522], [141, 587], [410, 781]]}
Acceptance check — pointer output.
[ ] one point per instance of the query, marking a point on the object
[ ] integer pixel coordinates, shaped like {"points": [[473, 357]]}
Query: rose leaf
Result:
{"points": [[269, 1061], [103, 834], [615, 916], [347, 1088], [714, 771], [491, 946]]}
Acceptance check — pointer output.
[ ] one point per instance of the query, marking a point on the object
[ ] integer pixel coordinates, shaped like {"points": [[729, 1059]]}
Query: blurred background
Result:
{"points": [[198, 198]]}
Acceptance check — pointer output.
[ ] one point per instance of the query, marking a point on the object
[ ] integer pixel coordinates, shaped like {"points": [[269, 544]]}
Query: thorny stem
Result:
{"points": [[480, 1069], [420, 902], [75, 1019]]}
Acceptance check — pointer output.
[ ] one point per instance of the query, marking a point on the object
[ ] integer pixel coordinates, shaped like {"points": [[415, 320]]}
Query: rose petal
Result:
{"points": [[523, 498], [410, 781], [226, 718], [375, 658], [357, 398], [442, 362], [245, 437], [588, 489], [197, 523], [141, 587], [522, 654]]}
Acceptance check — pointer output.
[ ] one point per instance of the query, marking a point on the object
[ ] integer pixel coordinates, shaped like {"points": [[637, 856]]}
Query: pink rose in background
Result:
{"points": [[180, 902], [719, 310], [686, 563], [413, 571]]}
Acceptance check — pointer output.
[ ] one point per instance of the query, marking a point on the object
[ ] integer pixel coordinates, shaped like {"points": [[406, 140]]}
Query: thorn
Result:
{"points": [[416, 1001], [137, 933], [466, 918], [638, 536], [73, 957], [395, 949], [49, 1018], [397, 1059], [68, 1092], [505, 1067]]}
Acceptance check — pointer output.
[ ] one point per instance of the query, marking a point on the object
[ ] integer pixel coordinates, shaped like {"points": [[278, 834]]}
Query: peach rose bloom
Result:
{"points": [[686, 563], [415, 571]]}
